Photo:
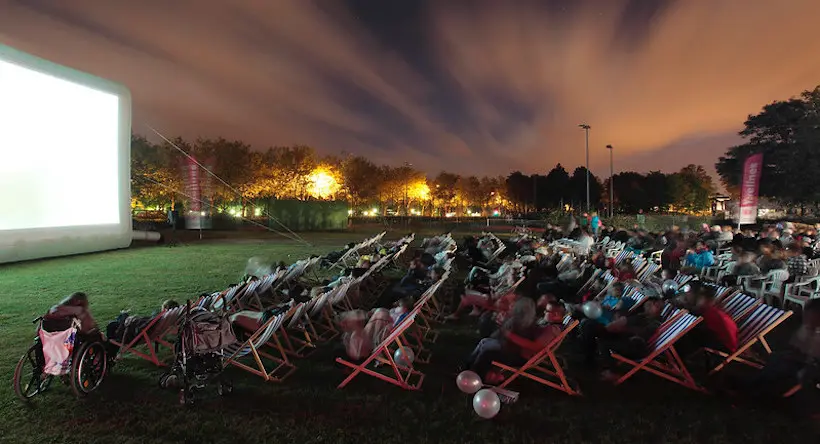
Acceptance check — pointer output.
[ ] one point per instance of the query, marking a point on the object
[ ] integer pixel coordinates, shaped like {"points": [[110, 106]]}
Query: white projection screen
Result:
{"points": [[65, 140]]}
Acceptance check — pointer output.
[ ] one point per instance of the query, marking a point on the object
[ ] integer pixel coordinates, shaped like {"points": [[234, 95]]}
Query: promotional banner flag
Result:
{"points": [[749, 188], [192, 186]]}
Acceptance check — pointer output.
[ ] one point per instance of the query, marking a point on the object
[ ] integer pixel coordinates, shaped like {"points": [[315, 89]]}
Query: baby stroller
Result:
{"points": [[198, 360]]}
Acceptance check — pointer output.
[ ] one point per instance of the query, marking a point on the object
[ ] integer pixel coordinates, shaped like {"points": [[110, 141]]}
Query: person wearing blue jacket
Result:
{"points": [[700, 257]]}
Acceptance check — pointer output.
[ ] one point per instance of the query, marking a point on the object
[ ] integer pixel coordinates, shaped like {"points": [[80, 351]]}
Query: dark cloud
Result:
{"points": [[480, 87]]}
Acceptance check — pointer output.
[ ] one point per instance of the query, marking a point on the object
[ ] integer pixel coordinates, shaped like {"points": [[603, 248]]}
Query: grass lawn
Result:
{"points": [[307, 408]]}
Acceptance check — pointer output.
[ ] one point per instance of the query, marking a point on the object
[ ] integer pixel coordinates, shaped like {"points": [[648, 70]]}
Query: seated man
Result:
{"points": [[412, 285], [626, 335], [717, 331]]}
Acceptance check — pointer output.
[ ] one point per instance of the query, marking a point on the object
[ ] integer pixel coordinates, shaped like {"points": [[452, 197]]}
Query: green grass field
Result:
{"points": [[307, 408]]}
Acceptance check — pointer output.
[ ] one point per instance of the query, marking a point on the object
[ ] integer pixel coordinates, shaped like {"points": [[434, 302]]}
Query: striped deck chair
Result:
{"points": [[664, 360], [316, 324], [295, 336], [638, 264], [268, 281], [596, 273], [722, 293], [637, 297], [683, 279], [350, 256], [739, 305], [390, 371], [648, 271], [321, 317], [762, 319], [253, 347], [422, 331], [544, 366], [151, 335]]}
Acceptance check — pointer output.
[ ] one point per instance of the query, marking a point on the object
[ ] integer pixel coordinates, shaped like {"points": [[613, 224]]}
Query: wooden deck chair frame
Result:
{"points": [[295, 336], [407, 378], [664, 360], [149, 340], [753, 330], [265, 335], [321, 319], [316, 325], [544, 364]]}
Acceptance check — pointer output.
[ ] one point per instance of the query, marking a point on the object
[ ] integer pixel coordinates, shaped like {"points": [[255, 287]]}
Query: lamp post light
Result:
{"points": [[586, 130], [407, 166], [611, 183]]}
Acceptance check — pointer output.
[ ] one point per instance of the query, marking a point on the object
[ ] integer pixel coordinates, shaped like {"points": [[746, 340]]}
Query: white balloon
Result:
{"points": [[404, 356], [669, 286], [469, 382], [486, 403], [592, 310]]}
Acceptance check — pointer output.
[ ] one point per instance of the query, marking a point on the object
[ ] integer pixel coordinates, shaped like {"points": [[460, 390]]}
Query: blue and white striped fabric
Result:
{"points": [[240, 349], [672, 331], [759, 320], [738, 305]]}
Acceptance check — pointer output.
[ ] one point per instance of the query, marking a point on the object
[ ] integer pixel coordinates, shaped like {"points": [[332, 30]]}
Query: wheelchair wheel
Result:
{"points": [[29, 379], [88, 368]]}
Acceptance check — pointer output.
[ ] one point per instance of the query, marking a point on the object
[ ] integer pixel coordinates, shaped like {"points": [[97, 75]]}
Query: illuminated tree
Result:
{"points": [[324, 182]]}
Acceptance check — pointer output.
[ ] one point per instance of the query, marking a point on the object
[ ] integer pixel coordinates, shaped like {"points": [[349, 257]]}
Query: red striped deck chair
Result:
{"points": [[544, 367], [256, 349], [296, 340], [664, 360], [389, 371], [739, 305], [762, 319], [162, 324]]}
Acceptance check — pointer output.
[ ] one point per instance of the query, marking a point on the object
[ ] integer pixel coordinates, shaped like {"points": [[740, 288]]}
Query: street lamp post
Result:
{"points": [[586, 130], [611, 183], [407, 166]]}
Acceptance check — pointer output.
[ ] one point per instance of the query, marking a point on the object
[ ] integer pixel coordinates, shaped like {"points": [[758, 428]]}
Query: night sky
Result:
{"points": [[475, 87]]}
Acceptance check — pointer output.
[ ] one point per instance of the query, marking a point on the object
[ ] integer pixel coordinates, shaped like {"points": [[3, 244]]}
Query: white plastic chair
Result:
{"points": [[770, 287], [800, 292]]}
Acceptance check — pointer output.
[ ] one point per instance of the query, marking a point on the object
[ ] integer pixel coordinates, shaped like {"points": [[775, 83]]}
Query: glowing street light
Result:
{"points": [[586, 129]]}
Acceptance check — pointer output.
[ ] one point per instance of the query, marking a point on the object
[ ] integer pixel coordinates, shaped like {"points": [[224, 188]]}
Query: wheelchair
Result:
{"points": [[86, 369]]}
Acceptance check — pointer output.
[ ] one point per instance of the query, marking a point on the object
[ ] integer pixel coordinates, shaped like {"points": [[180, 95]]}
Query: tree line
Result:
{"points": [[787, 133], [241, 175]]}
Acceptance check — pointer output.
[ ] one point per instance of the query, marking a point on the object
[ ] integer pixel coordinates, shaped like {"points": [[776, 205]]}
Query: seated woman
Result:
{"points": [[248, 321], [518, 339], [478, 300], [75, 306], [126, 327]]}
